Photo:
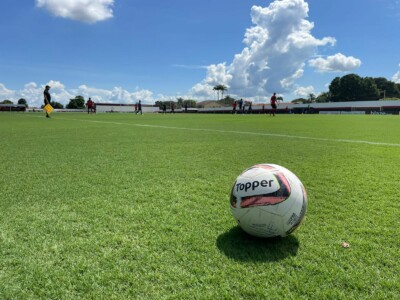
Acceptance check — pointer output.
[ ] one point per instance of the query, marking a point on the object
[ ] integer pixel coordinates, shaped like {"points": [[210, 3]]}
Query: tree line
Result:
{"points": [[355, 88], [76, 103], [21, 101], [351, 87], [180, 103]]}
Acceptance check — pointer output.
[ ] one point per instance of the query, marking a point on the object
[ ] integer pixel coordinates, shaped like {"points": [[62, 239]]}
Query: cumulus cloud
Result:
{"points": [[33, 94], [216, 74], [5, 93], [335, 63], [88, 11], [276, 50], [396, 77], [304, 91]]}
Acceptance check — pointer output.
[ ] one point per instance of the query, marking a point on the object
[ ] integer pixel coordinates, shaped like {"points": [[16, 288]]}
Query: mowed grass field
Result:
{"points": [[119, 206]]}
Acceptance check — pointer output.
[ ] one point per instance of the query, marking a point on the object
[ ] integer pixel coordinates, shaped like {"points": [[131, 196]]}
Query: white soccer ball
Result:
{"points": [[268, 200]]}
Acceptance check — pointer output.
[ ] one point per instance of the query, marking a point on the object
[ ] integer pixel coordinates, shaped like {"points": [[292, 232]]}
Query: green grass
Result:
{"points": [[98, 207]]}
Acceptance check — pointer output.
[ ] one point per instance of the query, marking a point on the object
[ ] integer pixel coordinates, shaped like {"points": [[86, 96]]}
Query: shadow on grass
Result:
{"points": [[238, 245]]}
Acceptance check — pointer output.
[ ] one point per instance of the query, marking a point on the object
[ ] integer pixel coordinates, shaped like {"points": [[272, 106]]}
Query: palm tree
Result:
{"points": [[216, 88], [220, 88], [223, 89], [311, 98]]}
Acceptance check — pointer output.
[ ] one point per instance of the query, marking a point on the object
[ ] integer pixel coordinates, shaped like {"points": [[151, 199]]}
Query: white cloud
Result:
{"points": [[5, 93], [88, 11], [396, 77], [216, 74], [276, 49], [335, 63], [304, 91], [59, 93]]}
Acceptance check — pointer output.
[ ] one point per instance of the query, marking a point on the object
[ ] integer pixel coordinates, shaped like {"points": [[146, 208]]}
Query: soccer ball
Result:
{"points": [[268, 200]]}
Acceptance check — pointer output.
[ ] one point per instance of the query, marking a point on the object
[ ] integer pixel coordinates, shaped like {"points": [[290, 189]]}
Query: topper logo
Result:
{"points": [[253, 185]]}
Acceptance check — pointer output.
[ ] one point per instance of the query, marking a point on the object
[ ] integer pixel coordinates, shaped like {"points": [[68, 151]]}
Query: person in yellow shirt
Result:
{"points": [[47, 98]]}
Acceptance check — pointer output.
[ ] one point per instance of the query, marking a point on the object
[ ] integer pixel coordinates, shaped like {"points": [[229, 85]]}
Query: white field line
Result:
{"points": [[244, 133]]}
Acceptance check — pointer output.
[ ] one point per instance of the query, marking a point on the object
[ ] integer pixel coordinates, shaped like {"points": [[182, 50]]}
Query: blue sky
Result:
{"points": [[126, 50]]}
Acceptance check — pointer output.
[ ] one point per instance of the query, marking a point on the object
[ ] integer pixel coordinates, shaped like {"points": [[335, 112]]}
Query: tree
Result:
{"points": [[189, 103], [216, 88], [77, 103], [352, 87], [323, 97], [6, 102], [159, 103], [22, 101], [227, 100], [220, 88], [223, 88], [56, 105], [370, 89], [335, 89], [168, 104], [386, 88], [311, 98], [179, 103], [299, 100]]}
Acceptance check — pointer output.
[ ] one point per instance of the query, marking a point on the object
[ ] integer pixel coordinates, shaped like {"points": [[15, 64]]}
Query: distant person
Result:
{"points": [[47, 98], [250, 109], [186, 107], [263, 109], [139, 107], [136, 106], [172, 108], [164, 108], [273, 102], [89, 105], [234, 104], [240, 104], [244, 108]]}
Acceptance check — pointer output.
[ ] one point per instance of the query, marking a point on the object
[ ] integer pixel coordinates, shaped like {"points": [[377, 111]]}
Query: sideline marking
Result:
{"points": [[242, 132]]}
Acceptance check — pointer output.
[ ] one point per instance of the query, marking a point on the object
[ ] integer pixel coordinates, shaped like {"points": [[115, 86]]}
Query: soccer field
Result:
{"points": [[123, 206]]}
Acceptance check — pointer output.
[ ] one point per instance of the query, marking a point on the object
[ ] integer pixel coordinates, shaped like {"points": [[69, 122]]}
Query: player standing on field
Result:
{"points": [[139, 107], [273, 102], [46, 98], [234, 104], [89, 105]]}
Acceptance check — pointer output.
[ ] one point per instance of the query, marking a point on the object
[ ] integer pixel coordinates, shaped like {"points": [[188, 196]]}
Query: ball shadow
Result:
{"points": [[238, 245]]}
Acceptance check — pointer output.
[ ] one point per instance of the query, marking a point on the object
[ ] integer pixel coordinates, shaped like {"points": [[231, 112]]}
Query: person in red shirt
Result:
{"points": [[89, 105], [274, 103]]}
